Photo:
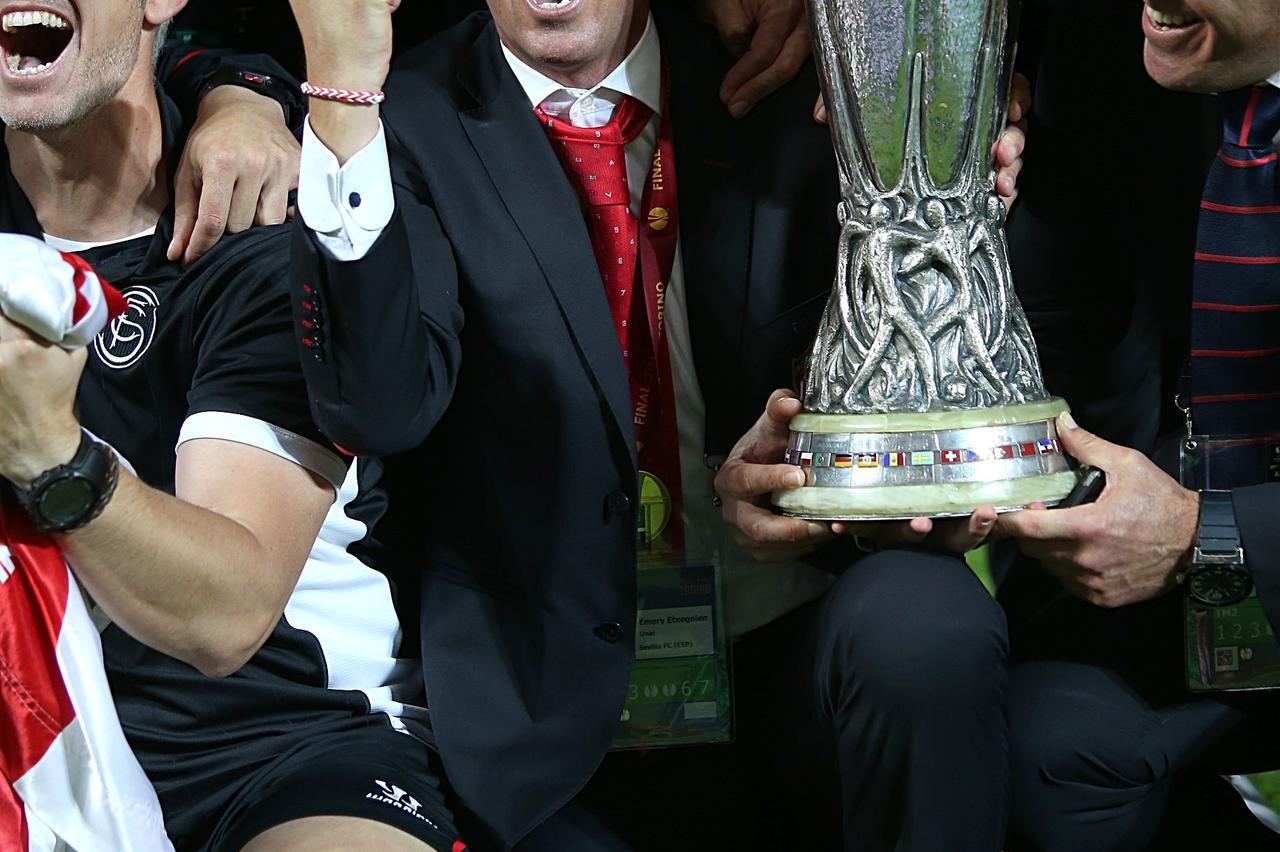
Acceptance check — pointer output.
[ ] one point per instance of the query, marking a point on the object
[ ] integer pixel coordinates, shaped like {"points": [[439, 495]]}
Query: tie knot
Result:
{"points": [[1251, 116], [625, 123]]}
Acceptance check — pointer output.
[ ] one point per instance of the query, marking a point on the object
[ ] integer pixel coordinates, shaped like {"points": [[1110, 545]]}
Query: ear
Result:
{"points": [[156, 12]]}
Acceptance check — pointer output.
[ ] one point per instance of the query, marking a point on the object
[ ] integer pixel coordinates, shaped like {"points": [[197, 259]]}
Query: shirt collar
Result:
{"points": [[1274, 79], [639, 75]]}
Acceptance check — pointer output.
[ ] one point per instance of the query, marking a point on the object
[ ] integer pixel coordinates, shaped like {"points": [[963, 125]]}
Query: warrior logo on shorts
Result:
{"points": [[126, 338], [399, 798]]}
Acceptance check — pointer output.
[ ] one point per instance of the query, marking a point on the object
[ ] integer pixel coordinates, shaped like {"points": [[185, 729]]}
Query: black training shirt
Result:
{"points": [[208, 352]]}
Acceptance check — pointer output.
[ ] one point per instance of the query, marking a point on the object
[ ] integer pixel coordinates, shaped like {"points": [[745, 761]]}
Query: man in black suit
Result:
{"points": [[1108, 743], [879, 694]]}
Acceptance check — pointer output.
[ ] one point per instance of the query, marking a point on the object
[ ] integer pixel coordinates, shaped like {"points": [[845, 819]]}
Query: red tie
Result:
{"points": [[596, 163]]}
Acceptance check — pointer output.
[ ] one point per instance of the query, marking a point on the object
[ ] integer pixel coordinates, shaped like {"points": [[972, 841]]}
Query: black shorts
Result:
{"points": [[375, 773]]}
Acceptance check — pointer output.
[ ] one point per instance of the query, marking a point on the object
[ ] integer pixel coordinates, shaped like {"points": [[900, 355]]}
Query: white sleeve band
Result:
{"points": [[241, 429], [347, 207]]}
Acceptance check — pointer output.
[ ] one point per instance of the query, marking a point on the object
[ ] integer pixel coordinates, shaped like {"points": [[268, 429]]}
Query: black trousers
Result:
{"points": [[871, 719], [1109, 749]]}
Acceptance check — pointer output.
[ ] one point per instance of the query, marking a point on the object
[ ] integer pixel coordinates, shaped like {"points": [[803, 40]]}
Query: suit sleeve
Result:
{"points": [[1258, 518], [379, 336]]}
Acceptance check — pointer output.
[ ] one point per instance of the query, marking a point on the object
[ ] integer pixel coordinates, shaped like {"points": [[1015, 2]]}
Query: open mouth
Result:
{"points": [[32, 41], [551, 7], [1165, 21]]}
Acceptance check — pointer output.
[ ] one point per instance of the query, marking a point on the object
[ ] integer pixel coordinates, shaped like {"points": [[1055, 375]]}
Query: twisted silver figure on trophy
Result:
{"points": [[924, 394]]}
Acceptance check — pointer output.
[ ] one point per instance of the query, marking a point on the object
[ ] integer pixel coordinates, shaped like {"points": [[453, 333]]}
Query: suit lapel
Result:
{"points": [[540, 200]]}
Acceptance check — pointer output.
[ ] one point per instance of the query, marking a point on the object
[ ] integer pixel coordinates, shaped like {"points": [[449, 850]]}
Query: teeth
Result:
{"points": [[17, 20], [553, 4], [15, 66], [1167, 19]]}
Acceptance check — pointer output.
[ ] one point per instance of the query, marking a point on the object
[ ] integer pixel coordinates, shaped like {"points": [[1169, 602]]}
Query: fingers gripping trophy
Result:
{"points": [[923, 395]]}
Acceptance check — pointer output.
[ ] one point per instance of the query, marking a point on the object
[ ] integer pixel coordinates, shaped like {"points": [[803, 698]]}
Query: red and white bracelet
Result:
{"points": [[344, 96]]}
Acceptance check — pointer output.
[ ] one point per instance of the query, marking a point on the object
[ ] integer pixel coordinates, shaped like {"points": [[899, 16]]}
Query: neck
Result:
{"points": [[102, 178]]}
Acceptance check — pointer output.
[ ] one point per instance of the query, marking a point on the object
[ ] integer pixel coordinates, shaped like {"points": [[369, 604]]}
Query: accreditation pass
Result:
{"points": [[680, 691]]}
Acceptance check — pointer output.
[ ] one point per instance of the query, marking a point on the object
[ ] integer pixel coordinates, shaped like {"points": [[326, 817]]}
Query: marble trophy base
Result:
{"points": [[875, 467]]}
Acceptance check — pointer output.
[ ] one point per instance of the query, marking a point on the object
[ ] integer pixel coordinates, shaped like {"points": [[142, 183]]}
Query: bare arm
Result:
{"points": [[348, 45], [202, 576]]}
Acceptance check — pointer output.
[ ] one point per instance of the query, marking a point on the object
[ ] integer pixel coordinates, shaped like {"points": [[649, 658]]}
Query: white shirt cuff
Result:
{"points": [[347, 207]]}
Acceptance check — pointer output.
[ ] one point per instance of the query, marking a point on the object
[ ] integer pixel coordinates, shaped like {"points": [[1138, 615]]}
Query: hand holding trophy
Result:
{"points": [[924, 395]]}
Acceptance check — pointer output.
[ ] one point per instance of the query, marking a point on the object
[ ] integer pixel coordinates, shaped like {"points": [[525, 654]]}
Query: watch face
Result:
{"points": [[66, 501], [1219, 585]]}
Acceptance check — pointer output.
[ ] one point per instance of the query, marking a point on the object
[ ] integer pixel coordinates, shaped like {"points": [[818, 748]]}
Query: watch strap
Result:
{"points": [[262, 84], [1217, 535]]}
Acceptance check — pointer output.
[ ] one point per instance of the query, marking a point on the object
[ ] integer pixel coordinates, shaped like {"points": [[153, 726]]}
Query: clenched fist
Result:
{"points": [[348, 42], [348, 45], [54, 295], [51, 305]]}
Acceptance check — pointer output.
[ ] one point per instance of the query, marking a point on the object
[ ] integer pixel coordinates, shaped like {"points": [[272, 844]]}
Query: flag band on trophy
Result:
{"points": [[924, 458]]}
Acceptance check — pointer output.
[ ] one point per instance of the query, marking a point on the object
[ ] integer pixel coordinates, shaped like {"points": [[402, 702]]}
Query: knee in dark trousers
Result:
{"points": [[908, 671], [917, 630], [1094, 765], [1078, 784]]}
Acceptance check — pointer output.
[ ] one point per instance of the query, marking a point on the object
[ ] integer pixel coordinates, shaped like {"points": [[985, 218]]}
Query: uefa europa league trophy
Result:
{"points": [[924, 394]]}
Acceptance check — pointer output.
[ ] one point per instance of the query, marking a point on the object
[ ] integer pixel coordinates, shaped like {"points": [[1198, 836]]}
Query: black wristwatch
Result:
{"points": [[1218, 575], [66, 497], [262, 84]]}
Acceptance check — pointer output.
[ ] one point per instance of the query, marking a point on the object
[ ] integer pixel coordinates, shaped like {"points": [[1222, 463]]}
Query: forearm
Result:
{"points": [[343, 128], [185, 580], [340, 57]]}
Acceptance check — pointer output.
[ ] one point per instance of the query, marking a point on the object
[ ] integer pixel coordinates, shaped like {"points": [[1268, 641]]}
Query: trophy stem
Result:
{"points": [[923, 392]]}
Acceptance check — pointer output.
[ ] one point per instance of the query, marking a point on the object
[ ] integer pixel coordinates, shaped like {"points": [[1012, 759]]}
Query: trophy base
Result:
{"points": [[876, 467]]}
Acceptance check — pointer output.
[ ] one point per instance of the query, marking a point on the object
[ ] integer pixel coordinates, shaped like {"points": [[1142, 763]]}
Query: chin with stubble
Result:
{"points": [[1211, 45]]}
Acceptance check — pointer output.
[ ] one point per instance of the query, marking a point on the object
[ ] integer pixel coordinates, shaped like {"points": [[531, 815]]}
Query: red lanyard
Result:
{"points": [[649, 362]]}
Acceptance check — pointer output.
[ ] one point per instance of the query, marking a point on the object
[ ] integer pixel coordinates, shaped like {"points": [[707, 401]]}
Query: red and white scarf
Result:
{"points": [[71, 780]]}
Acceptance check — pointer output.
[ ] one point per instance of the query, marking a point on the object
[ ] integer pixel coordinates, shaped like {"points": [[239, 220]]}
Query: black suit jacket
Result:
{"points": [[518, 478]]}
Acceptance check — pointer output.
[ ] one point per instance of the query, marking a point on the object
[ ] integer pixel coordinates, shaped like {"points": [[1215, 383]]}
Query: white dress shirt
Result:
{"points": [[755, 593]]}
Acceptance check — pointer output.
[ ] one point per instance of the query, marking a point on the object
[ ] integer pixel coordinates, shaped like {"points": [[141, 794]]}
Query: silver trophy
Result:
{"points": [[924, 394]]}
